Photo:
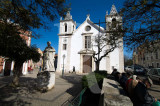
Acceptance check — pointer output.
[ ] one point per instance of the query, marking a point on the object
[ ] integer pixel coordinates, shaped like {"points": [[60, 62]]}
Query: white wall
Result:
{"points": [[114, 59], [77, 44]]}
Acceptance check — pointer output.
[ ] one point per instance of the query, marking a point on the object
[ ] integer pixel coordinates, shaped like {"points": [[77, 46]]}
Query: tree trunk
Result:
{"points": [[97, 65], [17, 73]]}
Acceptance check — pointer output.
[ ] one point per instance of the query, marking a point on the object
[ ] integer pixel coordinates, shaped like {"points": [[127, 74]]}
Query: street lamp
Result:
{"points": [[63, 65]]}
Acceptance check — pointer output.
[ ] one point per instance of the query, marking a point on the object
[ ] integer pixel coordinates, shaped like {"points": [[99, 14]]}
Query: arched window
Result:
{"points": [[65, 27], [114, 23]]}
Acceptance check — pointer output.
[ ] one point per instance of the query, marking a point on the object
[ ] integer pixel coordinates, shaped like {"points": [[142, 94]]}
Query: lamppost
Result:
{"points": [[63, 65]]}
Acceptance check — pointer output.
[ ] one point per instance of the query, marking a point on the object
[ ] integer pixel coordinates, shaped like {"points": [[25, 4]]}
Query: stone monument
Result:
{"points": [[46, 78], [48, 59]]}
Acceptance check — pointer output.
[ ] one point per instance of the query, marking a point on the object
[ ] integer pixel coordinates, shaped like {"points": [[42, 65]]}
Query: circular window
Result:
{"points": [[88, 28]]}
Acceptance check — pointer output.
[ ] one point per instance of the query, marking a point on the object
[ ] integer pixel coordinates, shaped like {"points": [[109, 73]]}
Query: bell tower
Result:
{"points": [[113, 18], [114, 22], [67, 27]]}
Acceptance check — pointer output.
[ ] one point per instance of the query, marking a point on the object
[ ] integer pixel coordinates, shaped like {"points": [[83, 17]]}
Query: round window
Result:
{"points": [[88, 28]]}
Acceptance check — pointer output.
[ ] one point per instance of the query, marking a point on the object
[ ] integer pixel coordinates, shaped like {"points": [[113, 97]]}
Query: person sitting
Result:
{"points": [[141, 96]]}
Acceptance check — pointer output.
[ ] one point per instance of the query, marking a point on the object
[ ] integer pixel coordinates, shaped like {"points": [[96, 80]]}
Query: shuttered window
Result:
{"points": [[87, 42]]}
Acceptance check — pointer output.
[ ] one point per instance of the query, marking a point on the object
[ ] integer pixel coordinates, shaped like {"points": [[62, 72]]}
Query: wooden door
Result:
{"points": [[87, 63]]}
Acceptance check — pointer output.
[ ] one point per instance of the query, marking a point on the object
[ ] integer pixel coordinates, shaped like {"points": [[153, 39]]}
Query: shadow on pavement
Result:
{"points": [[76, 88], [10, 95], [76, 81]]}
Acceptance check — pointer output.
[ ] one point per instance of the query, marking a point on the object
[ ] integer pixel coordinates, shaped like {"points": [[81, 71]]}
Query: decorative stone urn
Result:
{"points": [[46, 78]]}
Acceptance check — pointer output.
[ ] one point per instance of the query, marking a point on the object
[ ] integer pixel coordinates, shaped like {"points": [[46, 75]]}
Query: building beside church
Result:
{"points": [[147, 56], [76, 45], [7, 66]]}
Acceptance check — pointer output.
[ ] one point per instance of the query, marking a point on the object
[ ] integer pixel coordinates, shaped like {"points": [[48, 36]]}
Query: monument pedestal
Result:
{"points": [[45, 80], [51, 83]]}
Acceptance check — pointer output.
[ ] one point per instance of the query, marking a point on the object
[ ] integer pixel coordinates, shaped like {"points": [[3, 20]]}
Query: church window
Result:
{"points": [[65, 27], [73, 27], [64, 46], [87, 28], [87, 41]]}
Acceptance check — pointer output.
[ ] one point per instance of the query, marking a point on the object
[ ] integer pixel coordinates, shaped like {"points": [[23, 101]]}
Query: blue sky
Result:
{"points": [[79, 9]]}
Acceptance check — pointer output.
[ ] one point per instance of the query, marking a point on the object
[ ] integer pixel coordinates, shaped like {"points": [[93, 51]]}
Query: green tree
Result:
{"points": [[16, 49], [31, 14], [20, 16], [141, 22]]}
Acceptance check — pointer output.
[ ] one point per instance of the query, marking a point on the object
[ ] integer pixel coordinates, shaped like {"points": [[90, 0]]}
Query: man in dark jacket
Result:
{"points": [[141, 95]]}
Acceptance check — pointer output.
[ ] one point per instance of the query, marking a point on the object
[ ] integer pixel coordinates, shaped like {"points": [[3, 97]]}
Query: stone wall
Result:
{"points": [[112, 94]]}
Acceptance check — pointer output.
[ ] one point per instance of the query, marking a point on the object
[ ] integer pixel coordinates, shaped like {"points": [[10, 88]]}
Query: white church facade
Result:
{"points": [[76, 46]]}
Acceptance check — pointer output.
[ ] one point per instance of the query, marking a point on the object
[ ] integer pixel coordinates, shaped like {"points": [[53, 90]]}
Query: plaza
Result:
{"points": [[65, 88]]}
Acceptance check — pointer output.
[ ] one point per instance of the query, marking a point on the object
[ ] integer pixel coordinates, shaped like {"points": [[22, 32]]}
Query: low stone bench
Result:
{"points": [[113, 94]]}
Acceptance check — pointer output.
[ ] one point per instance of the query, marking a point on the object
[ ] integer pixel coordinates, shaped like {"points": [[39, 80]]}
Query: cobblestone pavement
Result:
{"points": [[65, 88]]}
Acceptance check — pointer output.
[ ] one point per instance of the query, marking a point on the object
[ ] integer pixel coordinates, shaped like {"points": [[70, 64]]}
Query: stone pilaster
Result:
{"points": [[59, 54], [68, 54], [108, 67], [121, 57]]}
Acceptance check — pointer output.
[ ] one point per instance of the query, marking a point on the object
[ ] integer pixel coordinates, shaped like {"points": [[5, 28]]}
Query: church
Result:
{"points": [[76, 45]]}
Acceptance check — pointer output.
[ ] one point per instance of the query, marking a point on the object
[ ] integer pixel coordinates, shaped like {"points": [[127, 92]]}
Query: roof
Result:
{"points": [[93, 24], [113, 10]]}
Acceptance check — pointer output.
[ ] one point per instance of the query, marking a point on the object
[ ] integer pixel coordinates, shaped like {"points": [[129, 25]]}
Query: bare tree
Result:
{"points": [[141, 22], [107, 42]]}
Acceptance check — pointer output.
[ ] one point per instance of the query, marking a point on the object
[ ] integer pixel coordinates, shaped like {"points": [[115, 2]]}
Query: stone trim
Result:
{"points": [[68, 34], [108, 67], [87, 34], [2, 74], [81, 62], [59, 54], [68, 20], [12, 67], [86, 51], [121, 57], [68, 53]]}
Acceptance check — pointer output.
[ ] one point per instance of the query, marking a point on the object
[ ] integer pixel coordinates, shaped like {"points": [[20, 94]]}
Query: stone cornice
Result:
{"points": [[86, 33], [86, 51], [68, 20], [69, 34]]}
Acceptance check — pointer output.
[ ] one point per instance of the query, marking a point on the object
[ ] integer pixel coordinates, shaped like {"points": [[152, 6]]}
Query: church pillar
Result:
{"points": [[68, 55], [121, 57], [12, 67], [59, 69], [108, 67], [2, 74]]}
